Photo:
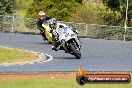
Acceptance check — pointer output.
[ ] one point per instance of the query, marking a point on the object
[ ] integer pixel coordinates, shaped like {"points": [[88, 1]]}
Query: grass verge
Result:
{"points": [[55, 83], [49, 81], [8, 55]]}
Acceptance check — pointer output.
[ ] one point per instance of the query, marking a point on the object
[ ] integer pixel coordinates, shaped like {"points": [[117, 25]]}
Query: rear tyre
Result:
{"points": [[76, 53]]}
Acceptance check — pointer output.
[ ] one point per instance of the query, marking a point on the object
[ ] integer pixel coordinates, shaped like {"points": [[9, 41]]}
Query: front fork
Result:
{"points": [[64, 45], [78, 42]]}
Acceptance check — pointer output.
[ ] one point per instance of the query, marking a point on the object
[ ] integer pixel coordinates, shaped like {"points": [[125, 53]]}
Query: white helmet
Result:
{"points": [[41, 13], [52, 21]]}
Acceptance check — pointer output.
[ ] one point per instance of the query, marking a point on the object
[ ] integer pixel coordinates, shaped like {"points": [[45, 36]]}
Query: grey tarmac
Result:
{"points": [[97, 54]]}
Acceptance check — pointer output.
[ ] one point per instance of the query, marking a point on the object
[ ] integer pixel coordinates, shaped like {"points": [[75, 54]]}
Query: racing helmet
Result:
{"points": [[42, 15], [52, 23]]}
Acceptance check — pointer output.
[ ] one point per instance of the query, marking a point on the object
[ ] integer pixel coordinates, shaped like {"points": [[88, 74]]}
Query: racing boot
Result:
{"points": [[54, 48]]}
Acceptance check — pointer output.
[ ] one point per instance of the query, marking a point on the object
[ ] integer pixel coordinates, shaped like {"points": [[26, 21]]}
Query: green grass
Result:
{"points": [[15, 55], [55, 83], [21, 6], [21, 13]]}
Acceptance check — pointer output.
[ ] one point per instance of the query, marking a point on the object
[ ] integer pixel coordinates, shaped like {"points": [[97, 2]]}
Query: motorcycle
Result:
{"points": [[69, 41], [47, 32]]}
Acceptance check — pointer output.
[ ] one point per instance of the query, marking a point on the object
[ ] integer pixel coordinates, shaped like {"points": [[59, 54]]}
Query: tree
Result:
{"points": [[6, 6], [90, 13], [60, 9], [79, 1], [120, 6]]}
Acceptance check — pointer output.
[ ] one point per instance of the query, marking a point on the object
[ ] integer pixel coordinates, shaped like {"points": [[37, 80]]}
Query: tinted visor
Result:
{"points": [[41, 15]]}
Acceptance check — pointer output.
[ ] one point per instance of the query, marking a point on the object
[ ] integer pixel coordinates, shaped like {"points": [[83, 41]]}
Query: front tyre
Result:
{"points": [[76, 53]]}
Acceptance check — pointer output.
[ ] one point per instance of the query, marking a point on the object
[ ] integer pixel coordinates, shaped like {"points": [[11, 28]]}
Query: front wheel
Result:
{"points": [[76, 53]]}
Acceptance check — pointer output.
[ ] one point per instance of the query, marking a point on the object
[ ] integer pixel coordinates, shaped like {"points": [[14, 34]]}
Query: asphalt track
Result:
{"points": [[97, 55]]}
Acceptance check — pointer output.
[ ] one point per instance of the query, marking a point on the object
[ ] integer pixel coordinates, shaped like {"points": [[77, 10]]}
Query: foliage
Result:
{"points": [[113, 4], [120, 6], [6, 6], [60, 9], [97, 13], [79, 1], [110, 33], [112, 17], [30, 23], [90, 12], [22, 4]]}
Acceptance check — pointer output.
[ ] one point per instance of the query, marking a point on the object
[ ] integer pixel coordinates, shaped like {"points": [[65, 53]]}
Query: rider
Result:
{"points": [[55, 32], [41, 18]]}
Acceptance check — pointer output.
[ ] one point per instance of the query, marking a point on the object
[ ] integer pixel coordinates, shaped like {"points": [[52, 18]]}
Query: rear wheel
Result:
{"points": [[76, 53]]}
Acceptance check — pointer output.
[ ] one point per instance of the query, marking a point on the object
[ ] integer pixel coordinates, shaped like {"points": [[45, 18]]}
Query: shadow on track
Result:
{"points": [[68, 58], [42, 43]]}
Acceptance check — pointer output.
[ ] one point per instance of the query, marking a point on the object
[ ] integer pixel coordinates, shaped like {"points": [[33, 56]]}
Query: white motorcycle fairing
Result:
{"points": [[69, 41], [66, 34]]}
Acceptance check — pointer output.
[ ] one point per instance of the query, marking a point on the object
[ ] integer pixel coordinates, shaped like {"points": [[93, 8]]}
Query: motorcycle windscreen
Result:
{"points": [[61, 34]]}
